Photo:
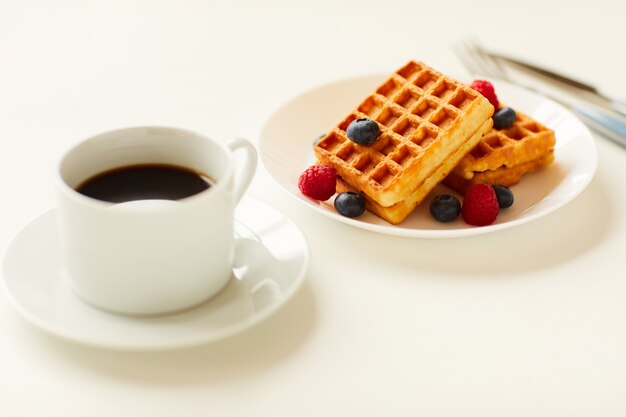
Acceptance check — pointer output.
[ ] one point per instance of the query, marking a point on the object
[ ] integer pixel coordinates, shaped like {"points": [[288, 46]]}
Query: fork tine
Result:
{"points": [[467, 60], [492, 68], [474, 58], [474, 53]]}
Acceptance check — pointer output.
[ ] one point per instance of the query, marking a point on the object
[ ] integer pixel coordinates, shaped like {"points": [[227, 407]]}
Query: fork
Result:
{"points": [[477, 61]]}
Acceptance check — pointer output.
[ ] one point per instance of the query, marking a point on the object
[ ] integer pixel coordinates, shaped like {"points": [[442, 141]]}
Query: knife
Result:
{"points": [[613, 128], [614, 104]]}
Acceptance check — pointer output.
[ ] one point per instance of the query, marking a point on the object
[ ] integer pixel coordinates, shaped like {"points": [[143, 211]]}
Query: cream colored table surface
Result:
{"points": [[527, 321]]}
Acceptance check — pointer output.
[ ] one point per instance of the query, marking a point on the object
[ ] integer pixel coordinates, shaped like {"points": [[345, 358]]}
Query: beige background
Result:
{"points": [[527, 321]]}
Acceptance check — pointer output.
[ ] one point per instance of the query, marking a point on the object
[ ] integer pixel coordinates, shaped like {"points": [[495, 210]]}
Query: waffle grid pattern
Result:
{"points": [[397, 213], [526, 140], [413, 108]]}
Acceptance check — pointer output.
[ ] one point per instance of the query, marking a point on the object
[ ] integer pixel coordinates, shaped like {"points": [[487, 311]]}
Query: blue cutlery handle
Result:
{"points": [[620, 106], [611, 126], [620, 102]]}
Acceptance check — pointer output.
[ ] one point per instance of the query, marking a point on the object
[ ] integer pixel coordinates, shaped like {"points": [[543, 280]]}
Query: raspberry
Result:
{"points": [[318, 182], [486, 89], [480, 205]]}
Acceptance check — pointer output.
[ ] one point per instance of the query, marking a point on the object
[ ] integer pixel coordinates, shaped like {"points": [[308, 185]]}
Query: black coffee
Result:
{"points": [[144, 182]]}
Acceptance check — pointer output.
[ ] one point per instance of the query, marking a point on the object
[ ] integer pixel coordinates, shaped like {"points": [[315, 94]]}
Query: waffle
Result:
{"points": [[424, 116], [504, 156], [398, 212]]}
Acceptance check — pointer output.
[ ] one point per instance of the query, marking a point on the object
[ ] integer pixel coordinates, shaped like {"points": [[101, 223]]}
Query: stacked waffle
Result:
{"points": [[428, 123], [503, 156]]}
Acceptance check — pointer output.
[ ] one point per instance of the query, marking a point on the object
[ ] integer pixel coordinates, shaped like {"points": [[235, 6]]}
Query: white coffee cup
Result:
{"points": [[151, 256]]}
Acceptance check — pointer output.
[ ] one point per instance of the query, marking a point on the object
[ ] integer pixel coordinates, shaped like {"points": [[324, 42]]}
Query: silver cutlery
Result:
{"points": [[612, 103], [609, 124]]}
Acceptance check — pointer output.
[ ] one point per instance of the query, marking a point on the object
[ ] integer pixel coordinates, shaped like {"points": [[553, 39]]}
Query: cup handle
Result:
{"points": [[247, 170]]}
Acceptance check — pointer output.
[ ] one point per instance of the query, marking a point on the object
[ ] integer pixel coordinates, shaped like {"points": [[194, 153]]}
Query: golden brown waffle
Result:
{"points": [[424, 117], [503, 175], [398, 212], [503, 156]]}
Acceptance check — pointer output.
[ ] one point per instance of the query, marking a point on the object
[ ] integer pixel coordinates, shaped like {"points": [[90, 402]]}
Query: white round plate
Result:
{"points": [[286, 150], [271, 260]]}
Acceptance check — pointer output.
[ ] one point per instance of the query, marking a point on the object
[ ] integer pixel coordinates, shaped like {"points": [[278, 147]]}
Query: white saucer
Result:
{"points": [[272, 257]]}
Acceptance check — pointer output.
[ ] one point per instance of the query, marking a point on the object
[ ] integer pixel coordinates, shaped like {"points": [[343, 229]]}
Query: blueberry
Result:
{"points": [[504, 118], [350, 204], [363, 131], [505, 196], [445, 208]]}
